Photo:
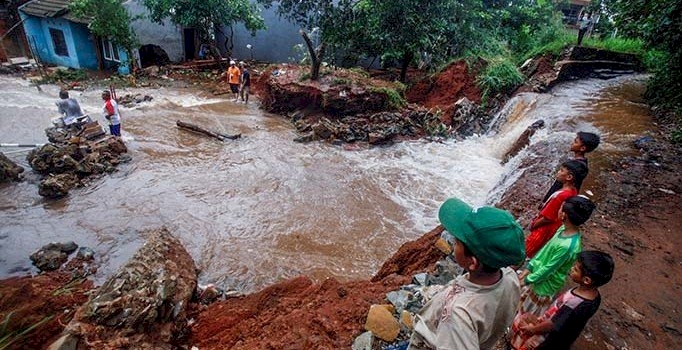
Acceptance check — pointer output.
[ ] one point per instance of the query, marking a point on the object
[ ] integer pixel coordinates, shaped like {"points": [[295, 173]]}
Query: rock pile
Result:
{"points": [[389, 326], [143, 305], [71, 159], [52, 256]]}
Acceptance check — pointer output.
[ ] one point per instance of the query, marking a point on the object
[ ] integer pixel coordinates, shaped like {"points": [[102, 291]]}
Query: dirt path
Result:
{"points": [[638, 225]]}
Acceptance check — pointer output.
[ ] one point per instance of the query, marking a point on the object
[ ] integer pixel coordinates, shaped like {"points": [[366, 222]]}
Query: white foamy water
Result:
{"points": [[261, 208]]}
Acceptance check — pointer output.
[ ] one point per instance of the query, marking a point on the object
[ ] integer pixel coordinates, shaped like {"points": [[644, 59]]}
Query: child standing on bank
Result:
{"points": [[544, 225], [584, 142], [474, 310], [546, 272], [561, 325]]}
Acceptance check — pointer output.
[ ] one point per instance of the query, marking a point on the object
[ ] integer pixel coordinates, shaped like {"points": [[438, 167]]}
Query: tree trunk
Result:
{"points": [[198, 129], [315, 55], [407, 59]]}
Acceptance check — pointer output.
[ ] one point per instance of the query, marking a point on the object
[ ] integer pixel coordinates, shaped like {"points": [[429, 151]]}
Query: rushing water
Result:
{"points": [[263, 208]]}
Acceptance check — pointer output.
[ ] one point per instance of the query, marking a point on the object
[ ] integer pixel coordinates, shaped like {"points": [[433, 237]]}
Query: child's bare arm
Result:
{"points": [[537, 328], [539, 222]]}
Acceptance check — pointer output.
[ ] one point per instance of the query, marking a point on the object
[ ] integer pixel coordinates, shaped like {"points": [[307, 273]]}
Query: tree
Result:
{"points": [[109, 19], [404, 29], [206, 15], [659, 24], [326, 17]]}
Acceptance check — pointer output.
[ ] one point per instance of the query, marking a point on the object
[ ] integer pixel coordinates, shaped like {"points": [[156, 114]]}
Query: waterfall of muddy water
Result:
{"points": [[261, 208]]}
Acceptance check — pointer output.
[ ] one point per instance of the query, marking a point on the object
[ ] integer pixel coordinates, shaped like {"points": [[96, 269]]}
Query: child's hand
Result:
{"points": [[526, 329], [522, 277]]}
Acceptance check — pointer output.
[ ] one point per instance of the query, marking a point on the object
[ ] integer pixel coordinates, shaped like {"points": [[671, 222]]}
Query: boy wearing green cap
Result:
{"points": [[473, 311]]}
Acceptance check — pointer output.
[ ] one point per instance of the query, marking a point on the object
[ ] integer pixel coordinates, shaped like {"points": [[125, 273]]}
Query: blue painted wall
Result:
{"points": [[78, 39]]}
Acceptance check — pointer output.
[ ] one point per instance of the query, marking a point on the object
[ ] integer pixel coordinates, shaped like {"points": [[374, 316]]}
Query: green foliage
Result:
{"points": [[659, 25], [499, 76], [395, 99], [109, 19], [64, 75], [206, 14], [617, 44], [676, 136], [654, 59]]}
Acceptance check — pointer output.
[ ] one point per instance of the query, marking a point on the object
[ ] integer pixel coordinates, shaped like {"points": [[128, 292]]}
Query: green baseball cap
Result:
{"points": [[491, 234]]}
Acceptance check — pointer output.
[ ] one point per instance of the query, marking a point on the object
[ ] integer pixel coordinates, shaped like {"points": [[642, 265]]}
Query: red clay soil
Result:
{"points": [[48, 301], [300, 314], [446, 88]]}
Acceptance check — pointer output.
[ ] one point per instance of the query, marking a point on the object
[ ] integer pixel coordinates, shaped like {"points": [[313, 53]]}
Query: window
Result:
{"points": [[110, 50], [59, 42]]}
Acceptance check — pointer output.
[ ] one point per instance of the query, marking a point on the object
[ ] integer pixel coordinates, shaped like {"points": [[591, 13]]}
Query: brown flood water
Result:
{"points": [[263, 208]]}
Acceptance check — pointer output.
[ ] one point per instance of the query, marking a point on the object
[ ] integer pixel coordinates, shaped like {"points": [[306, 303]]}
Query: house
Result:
{"points": [[57, 37], [572, 10]]}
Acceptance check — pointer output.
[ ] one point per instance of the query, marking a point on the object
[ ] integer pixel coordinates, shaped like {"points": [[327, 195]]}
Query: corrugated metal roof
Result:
{"points": [[46, 8], [51, 9]]}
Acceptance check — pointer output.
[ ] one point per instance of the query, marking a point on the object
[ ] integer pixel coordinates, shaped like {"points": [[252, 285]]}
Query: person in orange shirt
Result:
{"points": [[234, 78]]}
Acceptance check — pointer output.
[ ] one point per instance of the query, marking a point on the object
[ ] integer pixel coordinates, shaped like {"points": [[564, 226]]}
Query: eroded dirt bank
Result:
{"points": [[635, 222]]}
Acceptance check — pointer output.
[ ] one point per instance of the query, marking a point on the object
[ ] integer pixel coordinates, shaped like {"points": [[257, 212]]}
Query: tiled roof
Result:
{"points": [[50, 8]]}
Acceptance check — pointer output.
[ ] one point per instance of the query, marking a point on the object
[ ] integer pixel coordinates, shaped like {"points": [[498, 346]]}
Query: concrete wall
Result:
{"points": [[275, 44], [167, 36]]}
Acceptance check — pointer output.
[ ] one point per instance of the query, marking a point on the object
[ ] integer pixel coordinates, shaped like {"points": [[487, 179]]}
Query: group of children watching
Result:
{"points": [[511, 282]]}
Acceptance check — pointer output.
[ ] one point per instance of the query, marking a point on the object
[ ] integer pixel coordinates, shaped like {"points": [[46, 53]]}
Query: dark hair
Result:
{"points": [[63, 94], [578, 209], [485, 268], [596, 265], [589, 140], [578, 169]]}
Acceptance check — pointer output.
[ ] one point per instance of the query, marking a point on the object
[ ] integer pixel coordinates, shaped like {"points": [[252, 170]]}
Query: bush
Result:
{"points": [[395, 99], [499, 76]]}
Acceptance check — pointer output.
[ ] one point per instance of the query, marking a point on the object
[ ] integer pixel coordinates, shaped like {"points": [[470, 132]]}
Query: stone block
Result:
{"points": [[382, 323]]}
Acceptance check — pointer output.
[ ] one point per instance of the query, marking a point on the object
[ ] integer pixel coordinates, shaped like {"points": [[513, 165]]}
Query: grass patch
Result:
{"points": [[617, 44], [499, 76], [395, 98]]}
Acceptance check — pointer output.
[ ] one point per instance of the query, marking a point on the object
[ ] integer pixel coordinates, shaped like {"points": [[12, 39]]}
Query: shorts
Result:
{"points": [[234, 88]]}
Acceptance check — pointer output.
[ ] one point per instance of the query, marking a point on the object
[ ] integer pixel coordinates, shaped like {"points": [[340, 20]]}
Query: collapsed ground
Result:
{"points": [[635, 223]]}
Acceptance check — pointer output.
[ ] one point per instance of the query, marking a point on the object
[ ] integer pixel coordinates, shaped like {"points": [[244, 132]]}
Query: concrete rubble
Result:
{"points": [[74, 155]]}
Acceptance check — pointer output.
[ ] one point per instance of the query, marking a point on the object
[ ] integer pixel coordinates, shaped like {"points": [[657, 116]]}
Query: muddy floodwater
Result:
{"points": [[262, 208]]}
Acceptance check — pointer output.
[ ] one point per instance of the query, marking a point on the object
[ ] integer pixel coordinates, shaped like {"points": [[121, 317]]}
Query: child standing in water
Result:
{"points": [[111, 114]]}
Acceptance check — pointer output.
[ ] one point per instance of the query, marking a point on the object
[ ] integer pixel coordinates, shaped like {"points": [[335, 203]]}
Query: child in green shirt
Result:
{"points": [[546, 273]]}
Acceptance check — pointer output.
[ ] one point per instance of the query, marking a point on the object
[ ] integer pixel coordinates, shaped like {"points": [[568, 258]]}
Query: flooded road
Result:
{"points": [[262, 208]]}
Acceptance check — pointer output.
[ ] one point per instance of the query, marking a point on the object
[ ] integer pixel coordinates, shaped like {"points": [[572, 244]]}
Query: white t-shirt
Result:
{"points": [[467, 316], [116, 117]]}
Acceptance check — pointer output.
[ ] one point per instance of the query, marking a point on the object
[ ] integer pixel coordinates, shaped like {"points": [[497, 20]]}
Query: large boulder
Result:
{"points": [[144, 304]]}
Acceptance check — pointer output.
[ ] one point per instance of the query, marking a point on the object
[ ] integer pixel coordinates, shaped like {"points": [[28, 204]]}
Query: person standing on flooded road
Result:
{"points": [[234, 77], [111, 114], [245, 82]]}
